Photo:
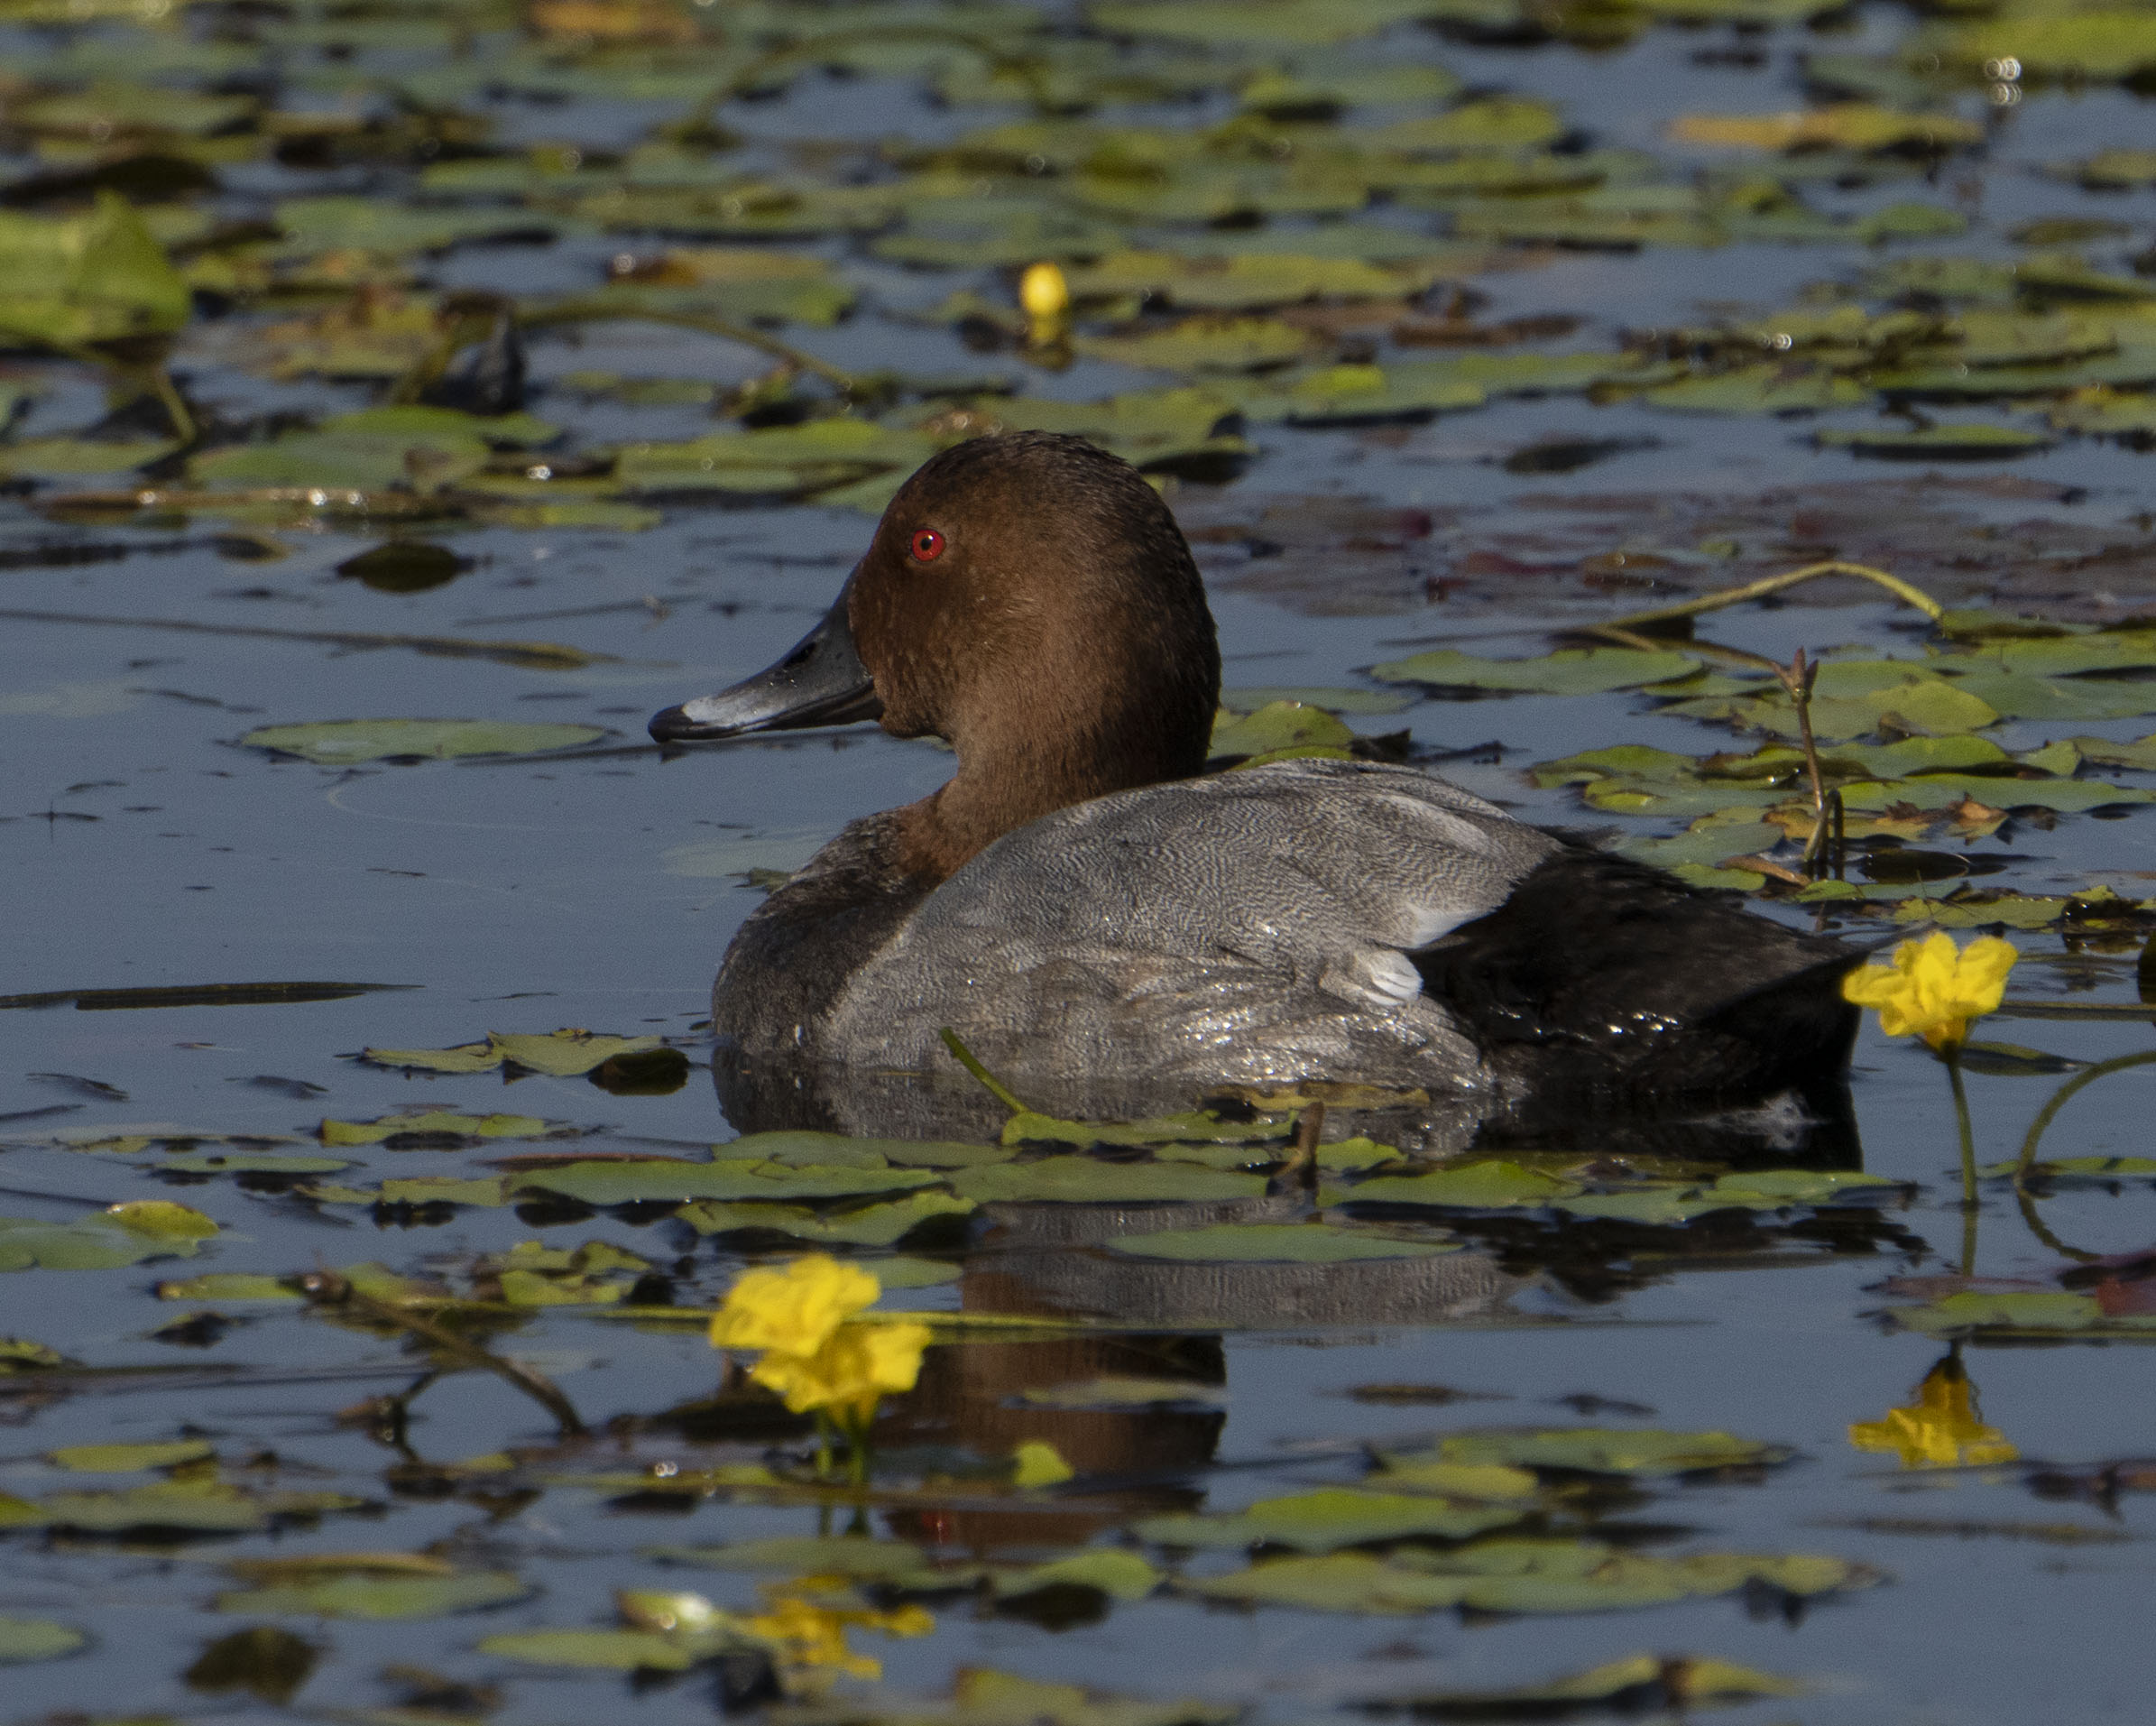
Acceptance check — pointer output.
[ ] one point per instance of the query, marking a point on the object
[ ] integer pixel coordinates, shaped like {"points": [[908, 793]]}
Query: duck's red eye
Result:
{"points": [[927, 546]]}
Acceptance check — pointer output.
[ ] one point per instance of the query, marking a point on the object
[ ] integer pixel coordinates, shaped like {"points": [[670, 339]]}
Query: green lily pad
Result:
{"points": [[1758, 389], [1204, 345], [640, 1180], [1088, 1181], [1279, 731], [1303, 1243], [125, 1234], [1326, 1520], [90, 278], [24, 1639], [2014, 1313], [368, 1596], [1964, 442], [337, 742], [1642, 1683], [1475, 1186], [562, 1054], [1646, 1454], [1570, 671], [430, 1122], [605, 1650], [129, 1459], [1121, 1575], [870, 1225]]}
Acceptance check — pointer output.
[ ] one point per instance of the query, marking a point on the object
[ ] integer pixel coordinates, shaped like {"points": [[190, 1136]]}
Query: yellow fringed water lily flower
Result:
{"points": [[810, 1636], [793, 1310], [857, 1366], [1941, 1430], [1933, 988], [816, 1354]]}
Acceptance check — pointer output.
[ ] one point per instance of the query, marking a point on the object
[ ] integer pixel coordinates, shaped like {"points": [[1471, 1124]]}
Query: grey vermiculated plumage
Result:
{"points": [[1246, 926]]}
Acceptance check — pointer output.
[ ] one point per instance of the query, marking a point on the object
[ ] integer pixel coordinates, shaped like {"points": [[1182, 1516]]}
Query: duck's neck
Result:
{"points": [[1005, 781]]}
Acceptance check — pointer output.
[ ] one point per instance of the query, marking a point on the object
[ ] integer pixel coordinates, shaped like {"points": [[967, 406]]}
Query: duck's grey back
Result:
{"points": [[1252, 925]]}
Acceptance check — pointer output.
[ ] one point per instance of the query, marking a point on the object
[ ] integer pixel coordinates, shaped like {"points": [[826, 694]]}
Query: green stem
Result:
{"points": [[995, 1087], [1969, 1201], [2086, 1077], [1901, 590], [822, 1447]]}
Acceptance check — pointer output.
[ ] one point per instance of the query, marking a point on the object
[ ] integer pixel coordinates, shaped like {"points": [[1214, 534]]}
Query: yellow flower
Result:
{"points": [[1941, 1430], [1932, 989], [811, 1636], [856, 1366], [795, 1309], [1044, 293]]}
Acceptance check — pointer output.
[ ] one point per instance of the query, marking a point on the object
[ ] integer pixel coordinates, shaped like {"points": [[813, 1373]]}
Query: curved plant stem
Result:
{"points": [[1908, 594], [995, 1087], [2086, 1077], [326, 1288], [2026, 1200], [2023, 1196], [586, 311]]}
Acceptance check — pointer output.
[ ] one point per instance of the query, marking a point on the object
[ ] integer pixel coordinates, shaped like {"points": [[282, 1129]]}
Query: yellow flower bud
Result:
{"points": [[1044, 293]]}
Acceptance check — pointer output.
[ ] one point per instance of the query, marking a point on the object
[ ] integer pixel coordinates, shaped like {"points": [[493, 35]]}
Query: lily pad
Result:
{"points": [[1646, 1455], [1570, 671], [24, 1639], [1964, 442], [366, 1595], [1475, 1186], [1089, 1180], [340, 742], [870, 1225], [1326, 1520], [640, 1180], [1306, 1243]]}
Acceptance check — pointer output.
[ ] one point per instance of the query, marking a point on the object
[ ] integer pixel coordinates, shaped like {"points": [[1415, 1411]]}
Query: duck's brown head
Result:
{"points": [[1029, 599]]}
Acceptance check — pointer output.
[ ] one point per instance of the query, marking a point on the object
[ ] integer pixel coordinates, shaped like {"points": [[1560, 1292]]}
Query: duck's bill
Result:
{"points": [[819, 681]]}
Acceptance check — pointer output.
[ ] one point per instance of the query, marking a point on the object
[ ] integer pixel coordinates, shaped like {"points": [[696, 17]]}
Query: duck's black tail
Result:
{"points": [[1604, 980]]}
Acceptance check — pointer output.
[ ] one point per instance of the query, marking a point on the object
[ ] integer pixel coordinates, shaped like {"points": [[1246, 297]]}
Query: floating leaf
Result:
{"points": [[1964, 442], [1570, 671], [1278, 731], [562, 1054], [1326, 1520], [92, 278], [1120, 1575], [428, 1124], [1643, 1682], [638, 1180], [1647, 1454], [125, 1234], [24, 1639], [1306, 1243], [608, 1650], [871, 1226], [128, 1459], [1475, 1186], [1088, 1181], [338, 743], [366, 1595]]}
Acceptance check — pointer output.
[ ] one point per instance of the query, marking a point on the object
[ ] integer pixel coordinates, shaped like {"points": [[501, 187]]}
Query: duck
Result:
{"points": [[1084, 896]]}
